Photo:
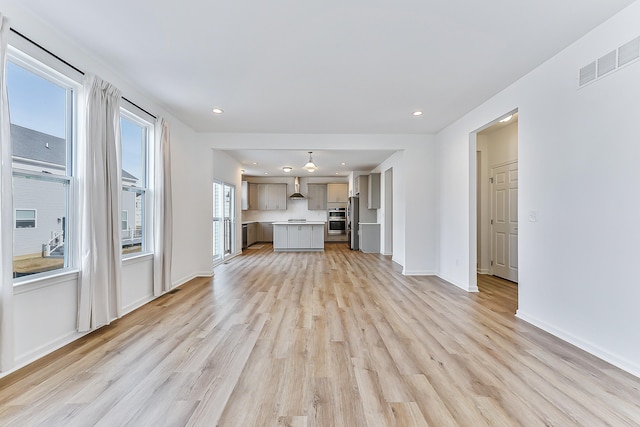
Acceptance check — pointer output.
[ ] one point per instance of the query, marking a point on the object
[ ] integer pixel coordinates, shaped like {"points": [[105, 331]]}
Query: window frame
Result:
{"points": [[56, 72], [15, 217], [142, 119], [124, 217]]}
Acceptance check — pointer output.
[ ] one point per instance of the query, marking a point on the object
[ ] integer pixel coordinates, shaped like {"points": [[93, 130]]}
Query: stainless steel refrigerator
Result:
{"points": [[353, 215]]}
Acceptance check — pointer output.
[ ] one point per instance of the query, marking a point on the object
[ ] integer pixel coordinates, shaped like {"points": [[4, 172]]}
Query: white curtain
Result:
{"points": [[6, 213], [162, 210], [100, 186]]}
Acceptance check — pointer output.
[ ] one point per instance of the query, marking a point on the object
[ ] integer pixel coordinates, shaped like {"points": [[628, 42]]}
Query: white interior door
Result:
{"points": [[504, 221]]}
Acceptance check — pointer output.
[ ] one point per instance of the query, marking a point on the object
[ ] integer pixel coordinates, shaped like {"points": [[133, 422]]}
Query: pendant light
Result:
{"points": [[310, 166]]}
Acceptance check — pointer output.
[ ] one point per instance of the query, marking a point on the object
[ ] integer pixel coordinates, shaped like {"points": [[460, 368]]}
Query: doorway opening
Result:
{"points": [[224, 221], [495, 151]]}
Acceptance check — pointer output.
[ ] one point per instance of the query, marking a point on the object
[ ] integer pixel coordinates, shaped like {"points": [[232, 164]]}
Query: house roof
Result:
{"points": [[41, 147]]}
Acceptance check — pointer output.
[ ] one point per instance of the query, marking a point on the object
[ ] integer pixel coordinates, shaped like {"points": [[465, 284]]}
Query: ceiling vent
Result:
{"points": [[625, 54]]}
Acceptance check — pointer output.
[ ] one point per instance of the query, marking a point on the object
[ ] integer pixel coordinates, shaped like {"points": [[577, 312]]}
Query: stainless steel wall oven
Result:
{"points": [[337, 221]]}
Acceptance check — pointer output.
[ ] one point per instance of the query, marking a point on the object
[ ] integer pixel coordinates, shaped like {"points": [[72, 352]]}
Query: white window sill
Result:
{"points": [[137, 258], [30, 283]]}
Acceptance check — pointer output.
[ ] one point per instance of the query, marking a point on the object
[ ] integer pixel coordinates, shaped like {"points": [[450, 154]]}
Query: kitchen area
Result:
{"points": [[304, 213]]}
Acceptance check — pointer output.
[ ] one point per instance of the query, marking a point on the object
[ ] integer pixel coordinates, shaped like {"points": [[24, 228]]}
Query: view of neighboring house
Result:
{"points": [[40, 205]]}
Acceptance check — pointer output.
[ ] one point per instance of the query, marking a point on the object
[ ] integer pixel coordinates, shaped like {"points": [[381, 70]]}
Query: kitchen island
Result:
{"points": [[298, 236]]}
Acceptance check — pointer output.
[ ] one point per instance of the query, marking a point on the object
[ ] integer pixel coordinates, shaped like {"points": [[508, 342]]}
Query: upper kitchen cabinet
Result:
{"points": [[317, 197], [253, 196], [249, 196], [337, 193], [245, 196], [360, 185], [373, 198], [271, 197]]}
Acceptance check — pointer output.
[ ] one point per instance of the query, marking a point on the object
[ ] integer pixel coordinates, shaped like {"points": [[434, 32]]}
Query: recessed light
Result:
{"points": [[343, 164], [266, 173], [217, 111], [242, 170], [337, 173], [417, 113], [254, 163], [287, 169], [506, 119]]}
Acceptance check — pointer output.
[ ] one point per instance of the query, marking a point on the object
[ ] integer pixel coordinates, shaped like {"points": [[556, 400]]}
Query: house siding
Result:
{"points": [[48, 198]]}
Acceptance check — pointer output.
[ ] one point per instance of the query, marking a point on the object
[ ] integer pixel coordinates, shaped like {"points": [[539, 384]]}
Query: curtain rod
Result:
{"points": [[16, 32]]}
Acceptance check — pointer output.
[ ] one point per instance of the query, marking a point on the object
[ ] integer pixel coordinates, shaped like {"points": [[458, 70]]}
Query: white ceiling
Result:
{"points": [[330, 66], [329, 162]]}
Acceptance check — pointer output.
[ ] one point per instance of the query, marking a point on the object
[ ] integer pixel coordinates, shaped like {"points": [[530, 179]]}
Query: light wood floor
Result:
{"points": [[321, 339]]}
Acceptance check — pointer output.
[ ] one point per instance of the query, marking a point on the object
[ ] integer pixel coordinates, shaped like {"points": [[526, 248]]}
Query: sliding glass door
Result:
{"points": [[224, 221]]}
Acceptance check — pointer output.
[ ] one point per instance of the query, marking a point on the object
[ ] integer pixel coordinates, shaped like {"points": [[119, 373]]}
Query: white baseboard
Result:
{"points": [[192, 276], [631, 367], [462, 286], [406, 272], [483, 271], [33, 355], [137, 304]]}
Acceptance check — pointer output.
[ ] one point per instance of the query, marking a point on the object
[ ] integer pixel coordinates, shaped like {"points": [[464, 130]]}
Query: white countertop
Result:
{"points": [[369, 223], [300, 223]]}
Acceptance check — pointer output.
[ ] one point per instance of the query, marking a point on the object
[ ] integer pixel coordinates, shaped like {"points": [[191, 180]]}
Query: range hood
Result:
{"points": [[297, 195]]}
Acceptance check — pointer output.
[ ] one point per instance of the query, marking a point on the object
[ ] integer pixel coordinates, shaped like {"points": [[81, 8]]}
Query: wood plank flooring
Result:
{"points": [[338, 338]]}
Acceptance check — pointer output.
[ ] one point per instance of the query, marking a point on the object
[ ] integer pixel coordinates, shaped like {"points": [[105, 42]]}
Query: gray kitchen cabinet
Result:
{"points": [[271, 197], [298, 237], [252, 233], [263, 197], [280, 237], [245, 196], [265, 232], [252, 196], [369, 238], [317, 197], [305, 236], [317, 236], [373, 198], [337, 193], [277, 197]]}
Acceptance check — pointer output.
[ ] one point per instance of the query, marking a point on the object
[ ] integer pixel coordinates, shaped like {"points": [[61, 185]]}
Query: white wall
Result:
{"points": [[45, 309], [226, 169], [578, 155], [396, 162]]}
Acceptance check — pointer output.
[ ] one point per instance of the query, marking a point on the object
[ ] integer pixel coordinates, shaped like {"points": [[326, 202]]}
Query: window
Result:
{"points": [[125, 220], [41, 106], [25, 218], [136, 133]]}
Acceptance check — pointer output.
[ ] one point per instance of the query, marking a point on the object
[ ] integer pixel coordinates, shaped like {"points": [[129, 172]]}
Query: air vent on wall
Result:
{"points": [[613, 60], [607, 63], [587, 73], [629, 52]]}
